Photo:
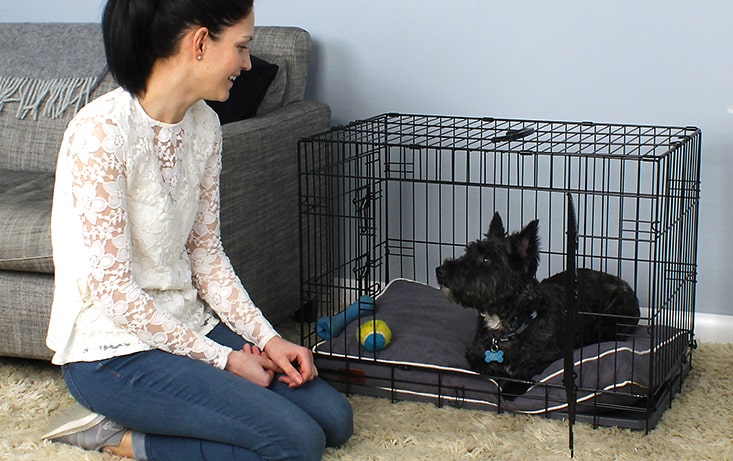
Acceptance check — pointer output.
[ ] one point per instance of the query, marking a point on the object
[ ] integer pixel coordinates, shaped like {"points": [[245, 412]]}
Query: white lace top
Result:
{"points": [[135, 228]]}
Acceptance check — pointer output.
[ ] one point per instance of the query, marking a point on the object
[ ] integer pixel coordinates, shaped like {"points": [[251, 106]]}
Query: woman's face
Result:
{"points": [[227, 56]]}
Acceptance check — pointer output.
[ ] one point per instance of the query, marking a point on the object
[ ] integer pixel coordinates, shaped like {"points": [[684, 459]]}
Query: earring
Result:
{"points": [[199, 57]]}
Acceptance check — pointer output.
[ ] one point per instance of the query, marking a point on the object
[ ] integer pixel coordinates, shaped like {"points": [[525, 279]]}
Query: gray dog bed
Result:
{"points": [[425, 360]]}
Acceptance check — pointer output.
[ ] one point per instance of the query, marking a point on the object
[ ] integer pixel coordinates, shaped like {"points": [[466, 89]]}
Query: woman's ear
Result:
{"points": [[199, 38]]}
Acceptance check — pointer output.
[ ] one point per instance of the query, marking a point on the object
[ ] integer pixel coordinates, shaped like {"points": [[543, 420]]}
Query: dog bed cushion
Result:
{"points": [[426, 361]]}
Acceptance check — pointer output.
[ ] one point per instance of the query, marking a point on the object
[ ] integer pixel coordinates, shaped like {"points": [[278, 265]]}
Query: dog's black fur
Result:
{"points": [[496, 276]]}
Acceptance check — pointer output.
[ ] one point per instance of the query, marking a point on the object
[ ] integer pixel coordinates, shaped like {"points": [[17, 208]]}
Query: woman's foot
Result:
{"points": [[124, 449], [91, 431]]}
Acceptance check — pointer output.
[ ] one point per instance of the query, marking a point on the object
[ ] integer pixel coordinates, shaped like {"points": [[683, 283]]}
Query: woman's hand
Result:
{"points": [[253, 365], [296, 362]]}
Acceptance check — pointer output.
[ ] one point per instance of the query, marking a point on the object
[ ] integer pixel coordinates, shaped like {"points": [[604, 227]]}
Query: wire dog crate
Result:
{"points": [[392, 196]]}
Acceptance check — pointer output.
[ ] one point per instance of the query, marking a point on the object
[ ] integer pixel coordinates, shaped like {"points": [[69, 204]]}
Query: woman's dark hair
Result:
{"points": [[137, 32]]}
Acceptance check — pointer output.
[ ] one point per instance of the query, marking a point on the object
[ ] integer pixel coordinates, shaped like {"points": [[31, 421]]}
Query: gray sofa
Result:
{"points": [[259, 185]]}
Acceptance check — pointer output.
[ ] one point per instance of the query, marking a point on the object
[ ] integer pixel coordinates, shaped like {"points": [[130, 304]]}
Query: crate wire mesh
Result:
{"points": [[394, 195]]}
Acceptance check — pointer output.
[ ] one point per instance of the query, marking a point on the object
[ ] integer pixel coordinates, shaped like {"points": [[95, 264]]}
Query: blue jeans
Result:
{"points": [[189, 410]]}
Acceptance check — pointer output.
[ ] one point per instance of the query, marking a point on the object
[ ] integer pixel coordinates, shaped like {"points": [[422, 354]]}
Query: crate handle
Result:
{"points": [[513, 135]]}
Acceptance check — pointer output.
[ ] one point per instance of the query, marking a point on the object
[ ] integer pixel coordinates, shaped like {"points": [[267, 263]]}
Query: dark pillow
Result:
{"points": [[247, 93]]}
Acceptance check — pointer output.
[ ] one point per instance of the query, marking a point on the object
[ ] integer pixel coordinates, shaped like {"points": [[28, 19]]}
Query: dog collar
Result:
{"points": [[494, 352]]}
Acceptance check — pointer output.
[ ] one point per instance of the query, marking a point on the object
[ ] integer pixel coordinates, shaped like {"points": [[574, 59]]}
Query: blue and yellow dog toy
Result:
{"points": [[374, 335]]}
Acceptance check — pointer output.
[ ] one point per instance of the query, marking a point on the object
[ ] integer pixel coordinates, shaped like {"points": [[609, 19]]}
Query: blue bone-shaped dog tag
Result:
{"points": [[492, 356]]}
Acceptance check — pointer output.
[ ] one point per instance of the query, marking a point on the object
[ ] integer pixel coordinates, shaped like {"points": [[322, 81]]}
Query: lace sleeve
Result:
{"points": [[213, 273], [99, 193]]}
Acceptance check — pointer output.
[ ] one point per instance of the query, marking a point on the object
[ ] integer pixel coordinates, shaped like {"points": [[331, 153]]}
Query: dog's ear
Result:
{"points": [[526, 244], [496, 228]]}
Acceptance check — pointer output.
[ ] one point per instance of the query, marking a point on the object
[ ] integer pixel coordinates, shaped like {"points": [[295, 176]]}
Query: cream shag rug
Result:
{"points": [[698, 426]]}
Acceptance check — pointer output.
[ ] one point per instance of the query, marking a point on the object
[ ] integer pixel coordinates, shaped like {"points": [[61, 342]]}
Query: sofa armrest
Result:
{"points": [[259, 202]]}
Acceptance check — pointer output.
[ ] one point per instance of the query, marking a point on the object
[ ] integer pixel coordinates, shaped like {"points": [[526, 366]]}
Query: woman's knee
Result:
{"points": [[341, 422], [307, 440], [328, 407]]}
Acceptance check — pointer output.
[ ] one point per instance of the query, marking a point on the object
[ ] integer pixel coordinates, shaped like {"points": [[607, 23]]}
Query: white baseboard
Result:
{"points": [[713, 328]]}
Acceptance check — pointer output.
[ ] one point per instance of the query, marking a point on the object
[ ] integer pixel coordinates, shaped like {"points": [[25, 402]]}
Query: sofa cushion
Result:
{"points": [[247, 93], [289, 48], [25, 221], [275, 96]]}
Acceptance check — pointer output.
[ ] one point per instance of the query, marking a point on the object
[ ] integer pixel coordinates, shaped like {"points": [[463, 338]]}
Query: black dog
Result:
{"points": [[521, 324]]}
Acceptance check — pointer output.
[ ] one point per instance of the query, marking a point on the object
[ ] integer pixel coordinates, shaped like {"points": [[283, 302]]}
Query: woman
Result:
{"points": [[151, 325]]}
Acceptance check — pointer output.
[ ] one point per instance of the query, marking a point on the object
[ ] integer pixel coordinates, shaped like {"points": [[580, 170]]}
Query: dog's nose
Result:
{"points": [[439, 272]]}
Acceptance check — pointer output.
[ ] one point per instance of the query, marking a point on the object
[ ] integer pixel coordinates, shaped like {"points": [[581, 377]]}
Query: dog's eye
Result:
{"points": [[485, 261]]}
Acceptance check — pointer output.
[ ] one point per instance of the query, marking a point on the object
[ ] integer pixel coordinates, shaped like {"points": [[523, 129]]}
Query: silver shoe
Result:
{"points": [[86, 429]]}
